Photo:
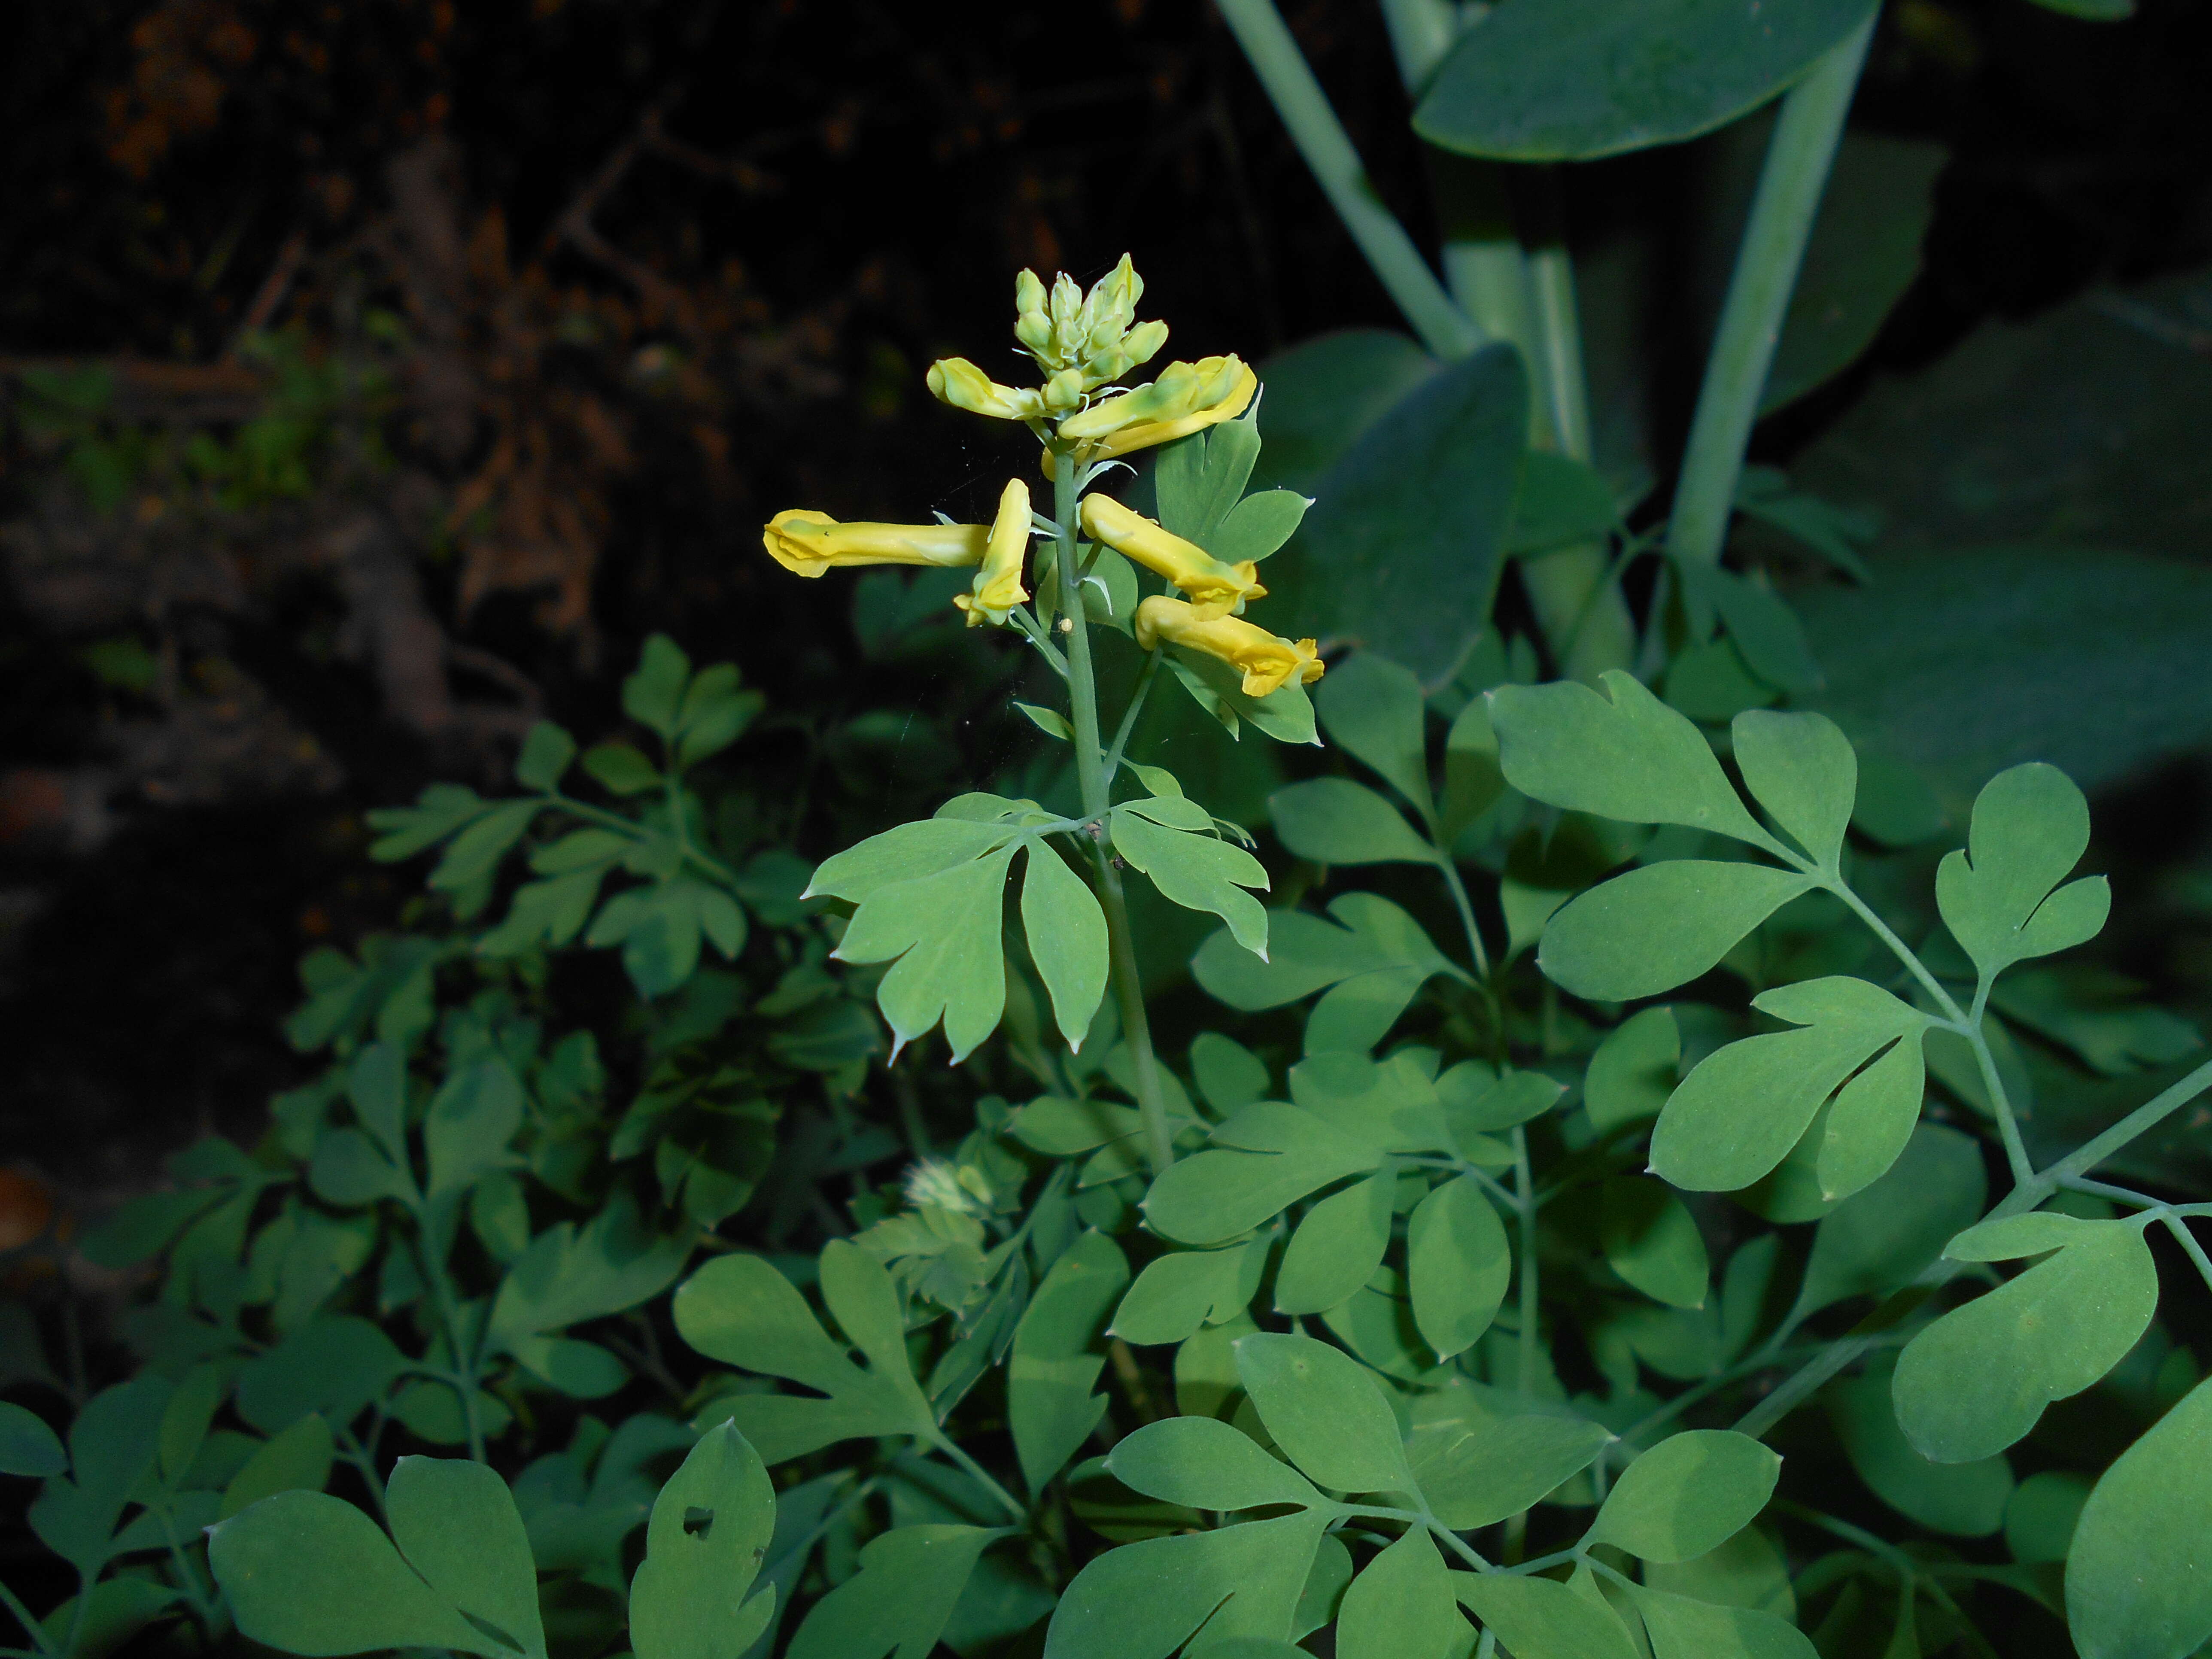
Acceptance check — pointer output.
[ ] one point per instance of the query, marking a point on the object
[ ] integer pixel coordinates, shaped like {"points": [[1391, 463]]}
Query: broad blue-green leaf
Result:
{"points": [[27, 1446], [1258, 525], [311, 1574], [944, 931], [1280, 1154], [471, 1120], [1652, 1240], [1401, 1606], [1743, 1106], [1198, 872], [1882, 1237], [1401, 553], [1559, 500], [740, 1310], [1055, 1358], [1143, 1601], [1634, 1070], [1336, 821], [2040, 1520], [1965, 1500], [1573, 82], [704, 1543], [298, 1459], [1688, 1494], [1374, 955], [1541, 1618], [1473, 783], [1680, 1628], [1977, 1379], [909, 1581], [376, 1087], [1477, 1470], [1178, 1292], [1376, 712], [1337, 1247], [1206, 1464], [2030, 827], [456, 1523], [1327, 1414], [1625, 755], [117, 1609], [1458, 1265], [1802, 769], [1066, 934], [2139, 1576], [1660, 926], [1323, 392]]}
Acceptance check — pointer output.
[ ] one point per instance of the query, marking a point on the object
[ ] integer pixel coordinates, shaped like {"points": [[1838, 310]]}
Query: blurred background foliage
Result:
{"points": [[375, 378]]}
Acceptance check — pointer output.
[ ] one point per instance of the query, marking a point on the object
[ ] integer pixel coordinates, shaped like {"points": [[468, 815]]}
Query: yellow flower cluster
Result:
{"points": [[1081, 342]]}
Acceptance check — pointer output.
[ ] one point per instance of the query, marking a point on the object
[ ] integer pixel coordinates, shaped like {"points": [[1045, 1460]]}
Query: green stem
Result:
{"points": [[977, 1472], [1781, 214], [464, 1378], [32, 1627], [2187, 1240], [1524, 1184], [1480, 957], [1319, 136], [1091, 781], [1421, 32], [1129, 714], [2023, 1167]]}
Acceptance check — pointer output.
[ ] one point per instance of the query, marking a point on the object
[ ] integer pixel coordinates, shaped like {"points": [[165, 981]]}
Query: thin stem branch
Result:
{"points": [[1144, 687], [24, 1617], [1781, 214], [1524, 1187], [2187, 1240], [981, 1476]]}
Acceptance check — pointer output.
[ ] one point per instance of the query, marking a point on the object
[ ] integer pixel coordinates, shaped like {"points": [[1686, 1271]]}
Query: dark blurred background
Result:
{"points": [[375, 376]]}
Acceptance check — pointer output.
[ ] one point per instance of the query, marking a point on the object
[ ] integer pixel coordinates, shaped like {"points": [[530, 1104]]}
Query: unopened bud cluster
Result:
{"points": [[1084, 341]]}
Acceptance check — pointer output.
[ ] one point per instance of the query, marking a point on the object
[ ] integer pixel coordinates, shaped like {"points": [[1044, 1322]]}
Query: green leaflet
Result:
{"points": [[1660, 926], [1143, 1601], [1229, 1075], [1473, 783], [1747, 1571], [1742, 1108], [1336, 821], [1611, 75], [928, 847], [1652, 1240], [1323, 392], [738, 1310], [909, 1580], [1206, 1464], [1374, 711], [2030, 826], [2138, 1578], [944, 931], [471, 1120], [1198, 872], [298, 1459], [1327, 1414], [1977, 1379], [1458, 1265], [1687, 1495], [334, 1364], [1177, 1293], [1634, 1069], [1964, 1500], [1264, 1159], [27, 1446], [1338, 1247], [1680, 1628], [569, 1274], [1401, 1606], [1541, 1618], [1066, 934], [1558, 501], [456, 1523], [1478, 1470], [113, 1446], [1053, 1364], [704, 1542], [1881, 1238], [1801, 769], [1373, 955], [1389, 1104]]}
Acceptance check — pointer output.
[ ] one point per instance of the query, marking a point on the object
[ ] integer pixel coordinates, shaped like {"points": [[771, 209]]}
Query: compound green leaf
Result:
{"points": [[1652, 1240], [1633, 1071], [1743, 1106], [2030, 826], [1056, 1358], [476, 852], [1374, 711], [1687, 1495], [1625, 755], [27, 1446], [113, 1446], [1198, 872], [944, 931], [1477, 1102], [1964, 1500], [705, 1540], [1336, 821], [1401, 1606], [1266, 1157], [899, 1602], [1882, 1237], [1478, 1470], [1541, 1618], [653, 695], [1204, 1463], [376, 1087], [1977, 1379], [1177, 1293], [1598, 77], [1143, 1601], [1458, 1265], [1338, 1247], [471, 1120], [456, 1523], [571, 1273], [298, 1459], [1066, 934], [1680, 1628], [1660, 926], [1327, 1414], [311, 1574], [1802, 769], [2139, 1576]]}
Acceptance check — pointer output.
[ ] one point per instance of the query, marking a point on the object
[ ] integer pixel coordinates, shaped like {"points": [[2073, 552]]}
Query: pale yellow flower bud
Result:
{"points": [[1266, 662], [1064, 390], [807, 543], [1186, 397], [1034, 330], [1145, 341], [1067, 302], [1216, 589], [956, 381], [998, 587], [1029, 292]]}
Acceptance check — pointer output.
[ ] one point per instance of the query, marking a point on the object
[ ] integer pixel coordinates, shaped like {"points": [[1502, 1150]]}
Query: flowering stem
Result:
{"points": [[1091, 781]]}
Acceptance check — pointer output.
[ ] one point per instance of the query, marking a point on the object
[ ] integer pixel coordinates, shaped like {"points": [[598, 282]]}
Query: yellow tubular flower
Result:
{"points": [[956, 381], [1217, 589], [1267, 662], [1186, 397], [807, 543], [998, 585]]}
